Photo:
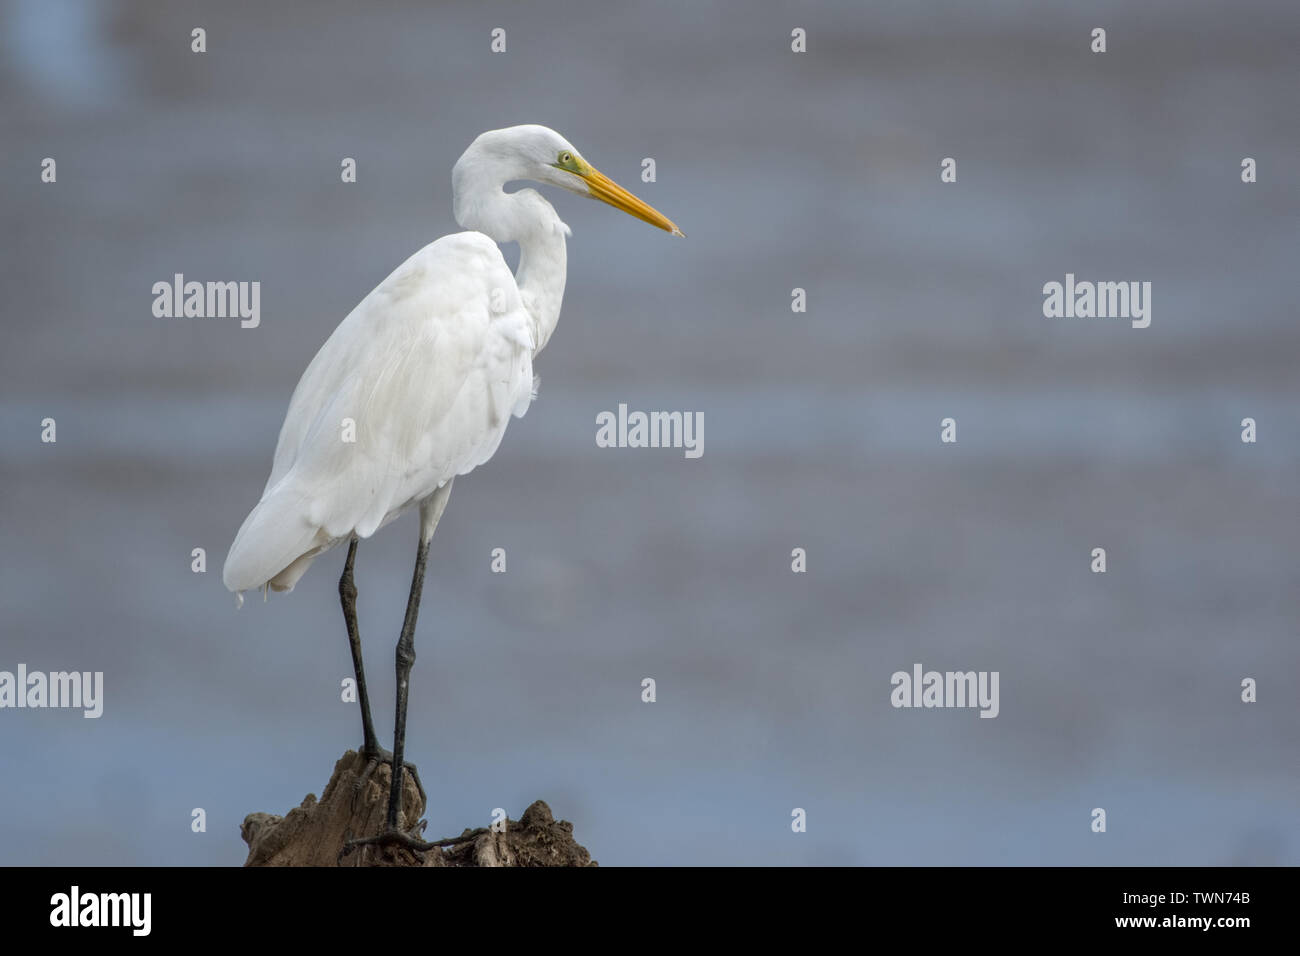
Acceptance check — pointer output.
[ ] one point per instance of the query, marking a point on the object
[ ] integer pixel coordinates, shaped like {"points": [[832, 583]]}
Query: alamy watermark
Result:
{"points": [[946, 689], [1100, 300], [75, 908], [35, 689], [179, 299], [651, 430]]}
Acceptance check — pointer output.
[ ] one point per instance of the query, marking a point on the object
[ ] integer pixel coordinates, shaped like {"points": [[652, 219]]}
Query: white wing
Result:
{"points": [[413, 388]]}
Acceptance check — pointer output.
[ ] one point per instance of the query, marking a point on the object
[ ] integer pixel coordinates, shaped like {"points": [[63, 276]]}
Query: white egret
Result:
{"points": [[416, 386]]}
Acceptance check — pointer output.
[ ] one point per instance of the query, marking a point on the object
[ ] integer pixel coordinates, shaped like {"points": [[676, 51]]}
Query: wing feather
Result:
{"points": [[422, 376]]}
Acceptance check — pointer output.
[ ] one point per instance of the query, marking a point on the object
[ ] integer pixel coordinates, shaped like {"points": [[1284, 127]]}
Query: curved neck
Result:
{"points": [[543, 268], [528, 219]]}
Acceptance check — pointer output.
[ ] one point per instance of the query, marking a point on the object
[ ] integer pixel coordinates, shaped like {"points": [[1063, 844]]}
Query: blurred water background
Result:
{"points": [[817, 171]]}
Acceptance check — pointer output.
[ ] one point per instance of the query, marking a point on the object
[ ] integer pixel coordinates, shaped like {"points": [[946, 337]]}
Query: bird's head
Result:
{"points": [[542, 155]]}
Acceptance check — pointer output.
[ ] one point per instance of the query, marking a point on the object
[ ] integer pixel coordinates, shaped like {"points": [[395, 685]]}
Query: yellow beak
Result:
{"points": [[606, 190]]}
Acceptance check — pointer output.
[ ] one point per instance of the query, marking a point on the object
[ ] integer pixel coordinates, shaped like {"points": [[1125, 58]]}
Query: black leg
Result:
{"points": [[348, 595], [405, 658], [370, 749], [430, 512]]}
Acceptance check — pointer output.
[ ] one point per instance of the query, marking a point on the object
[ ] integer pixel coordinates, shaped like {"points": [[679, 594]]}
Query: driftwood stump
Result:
{"points": [[314, 833]]}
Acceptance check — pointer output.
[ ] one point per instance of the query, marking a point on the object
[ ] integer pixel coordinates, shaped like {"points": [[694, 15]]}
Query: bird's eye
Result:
{"points": [[566, 158]]}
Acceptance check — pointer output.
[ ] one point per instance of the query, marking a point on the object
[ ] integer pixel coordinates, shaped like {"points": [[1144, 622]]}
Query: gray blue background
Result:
{"points": [[821, 430]]}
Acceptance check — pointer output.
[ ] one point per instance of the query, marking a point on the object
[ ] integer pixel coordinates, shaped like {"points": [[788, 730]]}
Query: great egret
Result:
{"points": [[416, 386]]}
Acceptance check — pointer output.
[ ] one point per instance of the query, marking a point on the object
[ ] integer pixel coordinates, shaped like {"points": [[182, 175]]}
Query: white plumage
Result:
{"points": [[414, 388], [426, 377], [428, 368]]}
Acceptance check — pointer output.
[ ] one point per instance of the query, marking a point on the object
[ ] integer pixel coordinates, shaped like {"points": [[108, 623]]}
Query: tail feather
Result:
{"points": [[275, 544]]}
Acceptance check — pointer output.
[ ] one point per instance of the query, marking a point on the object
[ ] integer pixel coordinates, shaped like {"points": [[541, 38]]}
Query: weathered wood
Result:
{"points": [[314, 833]]}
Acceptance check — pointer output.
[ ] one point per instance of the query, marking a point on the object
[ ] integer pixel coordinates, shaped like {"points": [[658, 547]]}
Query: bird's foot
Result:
{"points": [[390, 838], [408, 841], [375, 755]]}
